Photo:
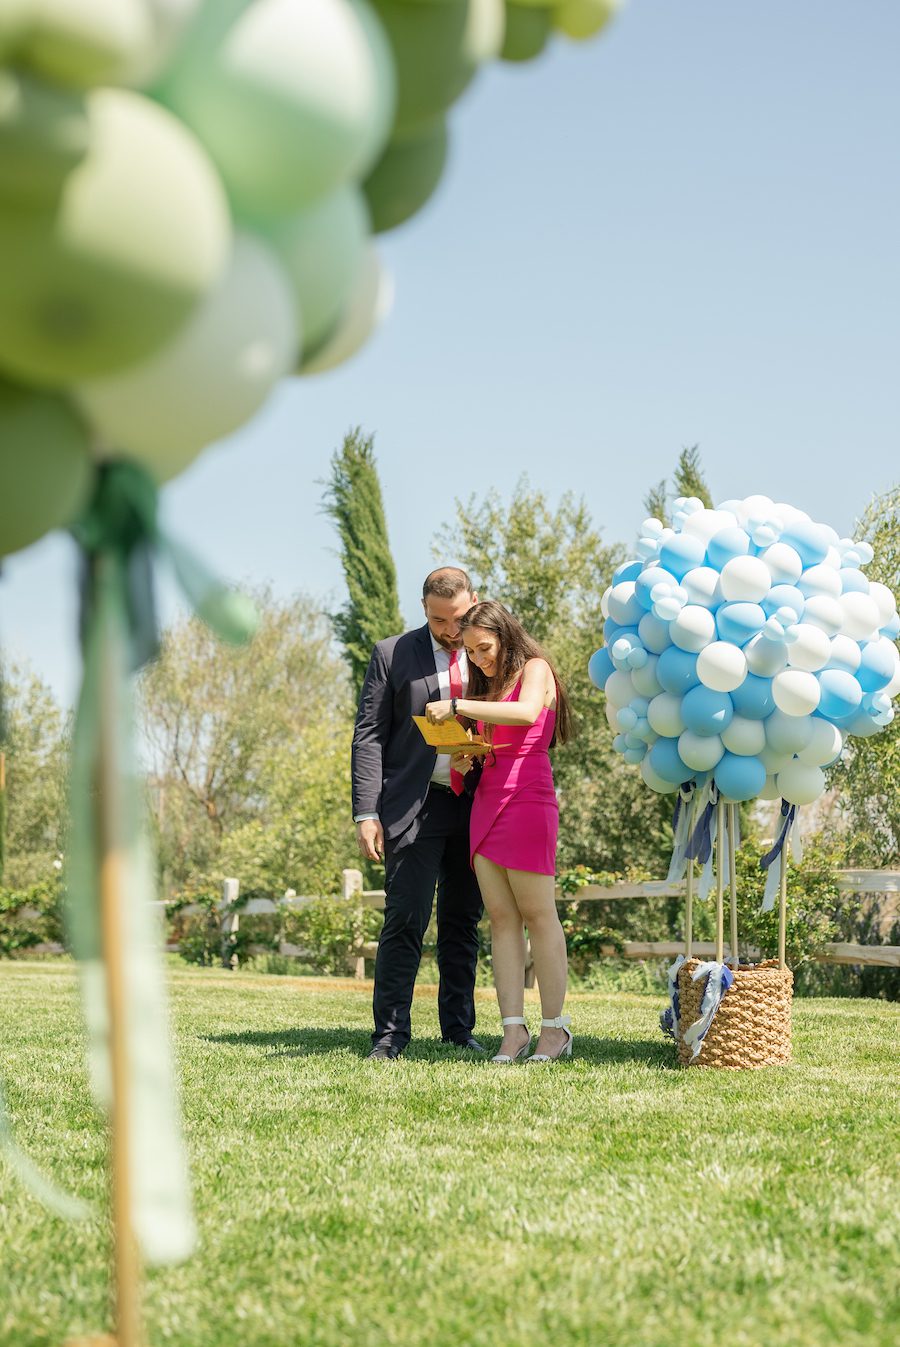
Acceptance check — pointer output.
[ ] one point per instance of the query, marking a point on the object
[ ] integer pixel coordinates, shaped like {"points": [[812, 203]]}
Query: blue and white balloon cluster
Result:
{"points": [[745, 644]]}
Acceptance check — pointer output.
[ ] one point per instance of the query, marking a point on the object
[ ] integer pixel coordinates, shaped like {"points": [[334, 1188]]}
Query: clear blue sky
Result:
{"points": [[686, 231]]}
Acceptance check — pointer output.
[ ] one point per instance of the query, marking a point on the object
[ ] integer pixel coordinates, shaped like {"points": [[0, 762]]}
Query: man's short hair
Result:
{"points": [[446, 582]]}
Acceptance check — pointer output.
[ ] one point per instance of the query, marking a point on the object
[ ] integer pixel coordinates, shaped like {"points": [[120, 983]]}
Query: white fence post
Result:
{"points": [[351, 886], [231, 921]]}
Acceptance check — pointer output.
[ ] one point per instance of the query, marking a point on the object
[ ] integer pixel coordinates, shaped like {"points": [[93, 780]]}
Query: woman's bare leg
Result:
{"points": [[535, 898], [507, 948]]}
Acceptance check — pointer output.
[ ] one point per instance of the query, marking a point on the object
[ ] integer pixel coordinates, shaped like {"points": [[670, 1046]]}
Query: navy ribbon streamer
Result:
{"points": [[700, 846], [788, 813]]}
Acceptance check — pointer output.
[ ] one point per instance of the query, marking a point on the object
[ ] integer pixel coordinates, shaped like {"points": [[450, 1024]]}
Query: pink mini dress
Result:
{"points": [[515, 813]]}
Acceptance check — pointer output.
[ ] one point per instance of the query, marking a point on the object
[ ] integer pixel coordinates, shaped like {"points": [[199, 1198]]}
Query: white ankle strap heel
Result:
{"points": [[503, 1057], [560, 1022]]}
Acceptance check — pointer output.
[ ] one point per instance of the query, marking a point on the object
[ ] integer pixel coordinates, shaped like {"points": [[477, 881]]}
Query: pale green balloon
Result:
{"points": [[527, 30], [292, 100], [211, 378], [369, 306], [438, 48], [84, 43], [322, 250], [139, 235], [583, 18], [406, 175], [44, 134], [14, 19], [45, 464]]}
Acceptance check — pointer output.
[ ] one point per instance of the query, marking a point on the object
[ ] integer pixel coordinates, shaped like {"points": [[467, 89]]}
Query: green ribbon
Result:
{"points": [[120, 537]]}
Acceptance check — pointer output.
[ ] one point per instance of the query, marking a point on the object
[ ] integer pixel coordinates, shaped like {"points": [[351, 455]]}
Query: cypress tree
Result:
{"points": [[689, 478], [353, 501]]}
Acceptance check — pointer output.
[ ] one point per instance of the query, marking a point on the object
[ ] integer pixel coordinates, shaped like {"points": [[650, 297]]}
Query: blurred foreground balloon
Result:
{"points": [[45, 464]]}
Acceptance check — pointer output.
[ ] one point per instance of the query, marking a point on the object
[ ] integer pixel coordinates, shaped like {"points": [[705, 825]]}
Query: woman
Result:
{"points": [[520, 707]]}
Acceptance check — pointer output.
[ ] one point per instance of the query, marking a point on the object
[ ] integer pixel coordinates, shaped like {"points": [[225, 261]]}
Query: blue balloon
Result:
{"points": [[653, 575], [862, 725], [654, 633], [809, 539], [600, 666], [891, 629], [629, 570], [739, 778], [676, 670], [841, 695], [666, 762], [754, 699], [622, 644], [853, 580], [681, 553], [877, 665], [725, 545], [737, 622], [784, 596], [707, 712]]}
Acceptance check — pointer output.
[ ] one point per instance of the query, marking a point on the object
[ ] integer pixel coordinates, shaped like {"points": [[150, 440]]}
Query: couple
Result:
{"points": [[479, 831]]}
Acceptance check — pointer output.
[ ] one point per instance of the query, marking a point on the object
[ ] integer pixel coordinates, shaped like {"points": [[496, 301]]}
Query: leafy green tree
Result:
{"points": [[550, 566], [868, 781], [222, 727], [689, 479], [353, 501], [36, 746]]}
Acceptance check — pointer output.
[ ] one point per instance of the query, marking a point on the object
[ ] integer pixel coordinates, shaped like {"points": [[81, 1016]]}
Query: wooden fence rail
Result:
{"points": [[849, 881]]}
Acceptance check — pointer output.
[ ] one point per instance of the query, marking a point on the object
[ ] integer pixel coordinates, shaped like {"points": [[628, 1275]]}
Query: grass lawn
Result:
{"points": [[441, 1201]]}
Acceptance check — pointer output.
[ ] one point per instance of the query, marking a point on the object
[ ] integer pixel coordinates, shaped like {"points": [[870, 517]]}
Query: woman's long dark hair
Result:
{"points": [[516, 648]]}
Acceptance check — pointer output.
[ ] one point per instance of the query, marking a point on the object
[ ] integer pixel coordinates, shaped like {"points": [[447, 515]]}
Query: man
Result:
{"points": [[409, 808]]}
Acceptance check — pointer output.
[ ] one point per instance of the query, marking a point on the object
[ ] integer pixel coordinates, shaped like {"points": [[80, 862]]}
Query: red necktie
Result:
{"points": [[456, 778]]}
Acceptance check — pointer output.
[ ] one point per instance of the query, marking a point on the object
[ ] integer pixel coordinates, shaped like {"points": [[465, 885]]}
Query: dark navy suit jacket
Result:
{"points": [[391, 762]]}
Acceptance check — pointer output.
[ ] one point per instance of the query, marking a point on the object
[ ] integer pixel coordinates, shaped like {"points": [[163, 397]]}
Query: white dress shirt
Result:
{"points": [[441, 773]]}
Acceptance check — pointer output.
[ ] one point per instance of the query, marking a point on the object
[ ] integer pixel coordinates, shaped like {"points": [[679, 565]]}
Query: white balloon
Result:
{"points": [[796, 692], [821, 579], [758, 505], [744, 736], [783, 563], [770, 790], [704, 523], [700, 752], [745, 579], [211, 378], [693, 628], [860, 615], [832, 556], [893, 686], [810, 648], [722, 666], [825, 745], [619, 689], [845, 653], [604, 601], [664, 714], [612, 712], [823, 611], [884, 601], [369, 305], [789, 514], [800, 783], [654, 781], [765, 657], [702, 586], [773, 761], [786, 735]]}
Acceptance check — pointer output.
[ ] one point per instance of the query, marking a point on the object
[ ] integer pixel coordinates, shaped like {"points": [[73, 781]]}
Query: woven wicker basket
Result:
{"points": [[751, 1028]]}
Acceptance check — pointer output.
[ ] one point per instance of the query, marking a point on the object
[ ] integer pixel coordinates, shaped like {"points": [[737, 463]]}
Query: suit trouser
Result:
{"points": [[438, 855]]}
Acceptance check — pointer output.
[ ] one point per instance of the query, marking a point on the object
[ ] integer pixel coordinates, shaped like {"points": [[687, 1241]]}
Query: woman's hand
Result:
{"points": [[461, 762], [438, 712]]}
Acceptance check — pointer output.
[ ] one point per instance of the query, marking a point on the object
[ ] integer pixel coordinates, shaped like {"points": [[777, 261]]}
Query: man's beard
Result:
{"points": [[448, 644]]}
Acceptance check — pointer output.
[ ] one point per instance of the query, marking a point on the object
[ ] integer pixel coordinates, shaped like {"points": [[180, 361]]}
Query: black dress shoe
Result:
{"points": [[471, 1043], [383, 1052]]}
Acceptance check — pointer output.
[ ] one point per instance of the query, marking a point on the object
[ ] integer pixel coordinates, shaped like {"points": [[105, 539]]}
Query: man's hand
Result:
{"points": [[437, 712], [461, 762], [370, 839]]}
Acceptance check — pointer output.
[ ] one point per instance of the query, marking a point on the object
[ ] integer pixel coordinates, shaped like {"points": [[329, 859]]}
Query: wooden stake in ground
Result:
{"points": [[732, 877], [720, 881], [782, 907], [113, 840]]}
